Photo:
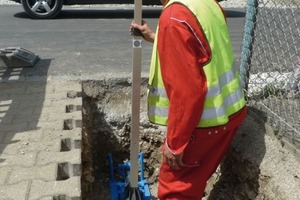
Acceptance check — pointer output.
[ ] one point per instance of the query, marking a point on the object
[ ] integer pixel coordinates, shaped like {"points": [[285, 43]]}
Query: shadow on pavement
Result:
{"points": [[21, 100]]}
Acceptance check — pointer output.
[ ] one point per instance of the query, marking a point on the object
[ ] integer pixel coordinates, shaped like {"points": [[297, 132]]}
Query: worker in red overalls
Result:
{"points": [[194, 90]]}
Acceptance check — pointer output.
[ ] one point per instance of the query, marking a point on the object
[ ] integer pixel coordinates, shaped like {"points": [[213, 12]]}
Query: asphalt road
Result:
{"points": [[87, 41]]}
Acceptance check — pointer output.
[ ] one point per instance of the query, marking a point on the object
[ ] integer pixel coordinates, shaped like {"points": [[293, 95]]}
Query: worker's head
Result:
{"points": [[164, 2]]}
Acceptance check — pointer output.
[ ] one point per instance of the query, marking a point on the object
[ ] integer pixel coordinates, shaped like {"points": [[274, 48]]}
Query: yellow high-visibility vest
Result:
{"points": [[224, 94]]}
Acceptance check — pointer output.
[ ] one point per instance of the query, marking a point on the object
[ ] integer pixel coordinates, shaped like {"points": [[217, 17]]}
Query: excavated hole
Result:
{"points": [[106, 129]]}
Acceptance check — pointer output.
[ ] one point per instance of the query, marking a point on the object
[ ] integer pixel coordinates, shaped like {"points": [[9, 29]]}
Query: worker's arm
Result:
{"points": [[181, 57]]}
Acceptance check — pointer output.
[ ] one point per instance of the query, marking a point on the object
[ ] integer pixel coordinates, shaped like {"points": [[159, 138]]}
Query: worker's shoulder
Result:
{"points": [[176, 11]]}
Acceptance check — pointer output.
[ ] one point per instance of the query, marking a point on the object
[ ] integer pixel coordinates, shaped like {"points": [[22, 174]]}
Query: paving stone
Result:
{"points": [[73, 156], [74, 133], [73, 115], [15, 192], [36, 134], [24, 119], [14, 103], [4, 171], [70, 85], [35, 88], [46, 173], [3, 107], [5, 102], [30, 145], [46, 198], [63, 103], [9, 149], [8, 89], [56, 95], [13, 127], [2, 136], [18, 160], [60, 108], [6, 119], [51, 125], [69, 188], [2, 115], [38, 97], [16, 78], [48, 102]]}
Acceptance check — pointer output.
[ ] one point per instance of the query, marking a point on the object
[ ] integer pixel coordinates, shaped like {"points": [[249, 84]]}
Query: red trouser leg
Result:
{"points": [[203, 155]]}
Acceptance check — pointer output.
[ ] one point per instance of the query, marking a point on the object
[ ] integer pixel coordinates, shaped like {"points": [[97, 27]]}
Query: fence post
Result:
{"points": [[247, 45]]}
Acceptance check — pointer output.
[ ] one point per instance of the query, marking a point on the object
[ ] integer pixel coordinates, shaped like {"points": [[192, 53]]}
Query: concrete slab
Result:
{"points": [[8, 192], [46, 173], [68, 188]]}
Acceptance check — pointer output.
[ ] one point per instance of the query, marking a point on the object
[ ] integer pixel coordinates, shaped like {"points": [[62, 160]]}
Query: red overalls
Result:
{"points": [[203, 153]]}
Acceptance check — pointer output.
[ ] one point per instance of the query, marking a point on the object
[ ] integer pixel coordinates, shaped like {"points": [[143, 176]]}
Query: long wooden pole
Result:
{"points": [[136, 95]]}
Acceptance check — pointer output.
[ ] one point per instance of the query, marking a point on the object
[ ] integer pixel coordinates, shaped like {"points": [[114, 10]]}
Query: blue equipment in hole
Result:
{"points": [[119, 188]]}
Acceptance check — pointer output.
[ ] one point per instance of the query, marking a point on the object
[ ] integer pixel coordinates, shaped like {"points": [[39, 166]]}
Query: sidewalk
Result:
{"points": [[40, 138]]}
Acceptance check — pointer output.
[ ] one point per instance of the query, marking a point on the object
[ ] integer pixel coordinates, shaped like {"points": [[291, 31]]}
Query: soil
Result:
{"points": [[106, 130]]}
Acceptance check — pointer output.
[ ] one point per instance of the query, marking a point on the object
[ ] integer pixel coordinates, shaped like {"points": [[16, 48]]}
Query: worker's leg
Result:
{"points": [[203, 154]]}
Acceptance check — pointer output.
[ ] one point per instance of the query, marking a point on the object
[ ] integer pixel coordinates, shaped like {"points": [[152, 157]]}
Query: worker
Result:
{"points": [[194, 90]]}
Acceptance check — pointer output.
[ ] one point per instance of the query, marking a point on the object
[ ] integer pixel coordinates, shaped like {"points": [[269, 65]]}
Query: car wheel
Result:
{"points": [[42, 9]]}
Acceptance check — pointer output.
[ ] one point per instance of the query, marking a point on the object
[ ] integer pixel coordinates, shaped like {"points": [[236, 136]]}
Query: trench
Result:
{"points": [[106, 113], [106, 129]]}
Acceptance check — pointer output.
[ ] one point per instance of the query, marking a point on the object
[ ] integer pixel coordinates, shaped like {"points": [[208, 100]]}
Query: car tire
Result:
{"points": [[42, 9]]}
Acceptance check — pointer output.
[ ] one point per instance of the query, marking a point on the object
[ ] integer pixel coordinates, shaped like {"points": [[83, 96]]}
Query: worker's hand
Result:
{"points": [[174, 161], [145, 30]]}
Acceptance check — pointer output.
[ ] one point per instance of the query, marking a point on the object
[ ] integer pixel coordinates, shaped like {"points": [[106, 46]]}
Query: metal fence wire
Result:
{"points": [[270, 64]]}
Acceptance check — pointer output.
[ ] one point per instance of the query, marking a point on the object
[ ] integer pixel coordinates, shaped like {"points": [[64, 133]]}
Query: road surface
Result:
{"points": [[87, 41]]}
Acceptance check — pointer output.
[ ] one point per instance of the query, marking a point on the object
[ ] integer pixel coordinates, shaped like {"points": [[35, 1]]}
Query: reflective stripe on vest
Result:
{"points": [[155, 92], [207, 113], [212, 91]]}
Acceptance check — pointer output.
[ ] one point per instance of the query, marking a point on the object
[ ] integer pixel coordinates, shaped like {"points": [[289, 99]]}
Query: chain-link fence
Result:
{"points": [[270, 64]]}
